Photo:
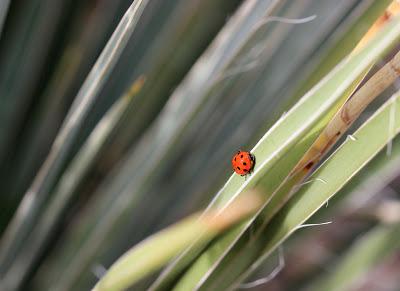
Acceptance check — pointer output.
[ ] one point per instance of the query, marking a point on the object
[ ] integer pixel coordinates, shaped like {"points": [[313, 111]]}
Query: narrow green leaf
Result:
{"points": [[154, 252], [365, 253], [29, 209], [349, 159], [65, 191], [339, 44], [344, 45], [3, 13], [281, 148], [124, 187]]}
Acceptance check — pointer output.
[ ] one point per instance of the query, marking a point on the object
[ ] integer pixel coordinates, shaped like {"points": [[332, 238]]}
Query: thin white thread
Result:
{"points": [[241, 69], [321, 180], [255, 63], [288, 20], [313, 224], [272, 275], [392, 118], [297, 187], [351, 137], [313, 180]]}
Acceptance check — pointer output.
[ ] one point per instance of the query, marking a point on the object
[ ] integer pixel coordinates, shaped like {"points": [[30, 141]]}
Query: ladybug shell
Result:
{"points": [[243, 163]]}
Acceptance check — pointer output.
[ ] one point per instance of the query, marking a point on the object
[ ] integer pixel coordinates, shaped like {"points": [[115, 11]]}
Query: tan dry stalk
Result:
{"points": [[349, 112], [360, 100], [392, 10]]}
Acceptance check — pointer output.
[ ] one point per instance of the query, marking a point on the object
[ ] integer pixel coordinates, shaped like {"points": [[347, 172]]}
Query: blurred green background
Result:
{"points": [[214, 75]]}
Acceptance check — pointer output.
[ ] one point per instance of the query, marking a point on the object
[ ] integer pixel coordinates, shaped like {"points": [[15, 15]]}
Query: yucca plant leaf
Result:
{"points": [[85, 39], [67, 186], [98, 171], [335, 172], [25, 48], [33, 201], [366, 186], [336, 127], [373, 179], [284, 145], [154, 252], [340, 43], [3, 13], [122, 190], [365, 253], [344, 45]]}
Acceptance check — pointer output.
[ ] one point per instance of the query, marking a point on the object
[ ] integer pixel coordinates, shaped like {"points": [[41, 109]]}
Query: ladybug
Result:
{"points": [[243, 162]]}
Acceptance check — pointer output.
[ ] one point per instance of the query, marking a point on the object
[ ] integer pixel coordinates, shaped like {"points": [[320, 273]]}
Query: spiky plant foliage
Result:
{"points": [[119, 118]]}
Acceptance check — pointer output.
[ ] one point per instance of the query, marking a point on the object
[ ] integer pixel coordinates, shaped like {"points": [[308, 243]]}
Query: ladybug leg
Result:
{"points": [[253, 158]]}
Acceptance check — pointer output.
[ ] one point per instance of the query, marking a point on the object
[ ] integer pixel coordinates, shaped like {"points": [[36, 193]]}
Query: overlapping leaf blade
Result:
{"points": [[336, 172], [340, 81], [47, 177]]}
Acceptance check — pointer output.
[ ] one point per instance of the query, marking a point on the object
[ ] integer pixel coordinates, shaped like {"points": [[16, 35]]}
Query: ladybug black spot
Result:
{"points": [[241, 156], [235, 159], [238, 168], [244, 164]]}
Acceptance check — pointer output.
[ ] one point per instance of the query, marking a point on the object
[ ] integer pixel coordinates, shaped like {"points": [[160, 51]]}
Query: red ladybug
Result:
{"points": [[243, 162]]}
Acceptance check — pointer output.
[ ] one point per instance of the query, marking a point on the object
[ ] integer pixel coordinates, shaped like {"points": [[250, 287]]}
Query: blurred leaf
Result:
{"points": [[66, 189], [25, 43], [339, 43], [27, 213], [336, 171], [114, 197], [3, 13], [283, 145], [365, 253], [81, 44], [130, 168], [344, 45], [154, 252]]}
